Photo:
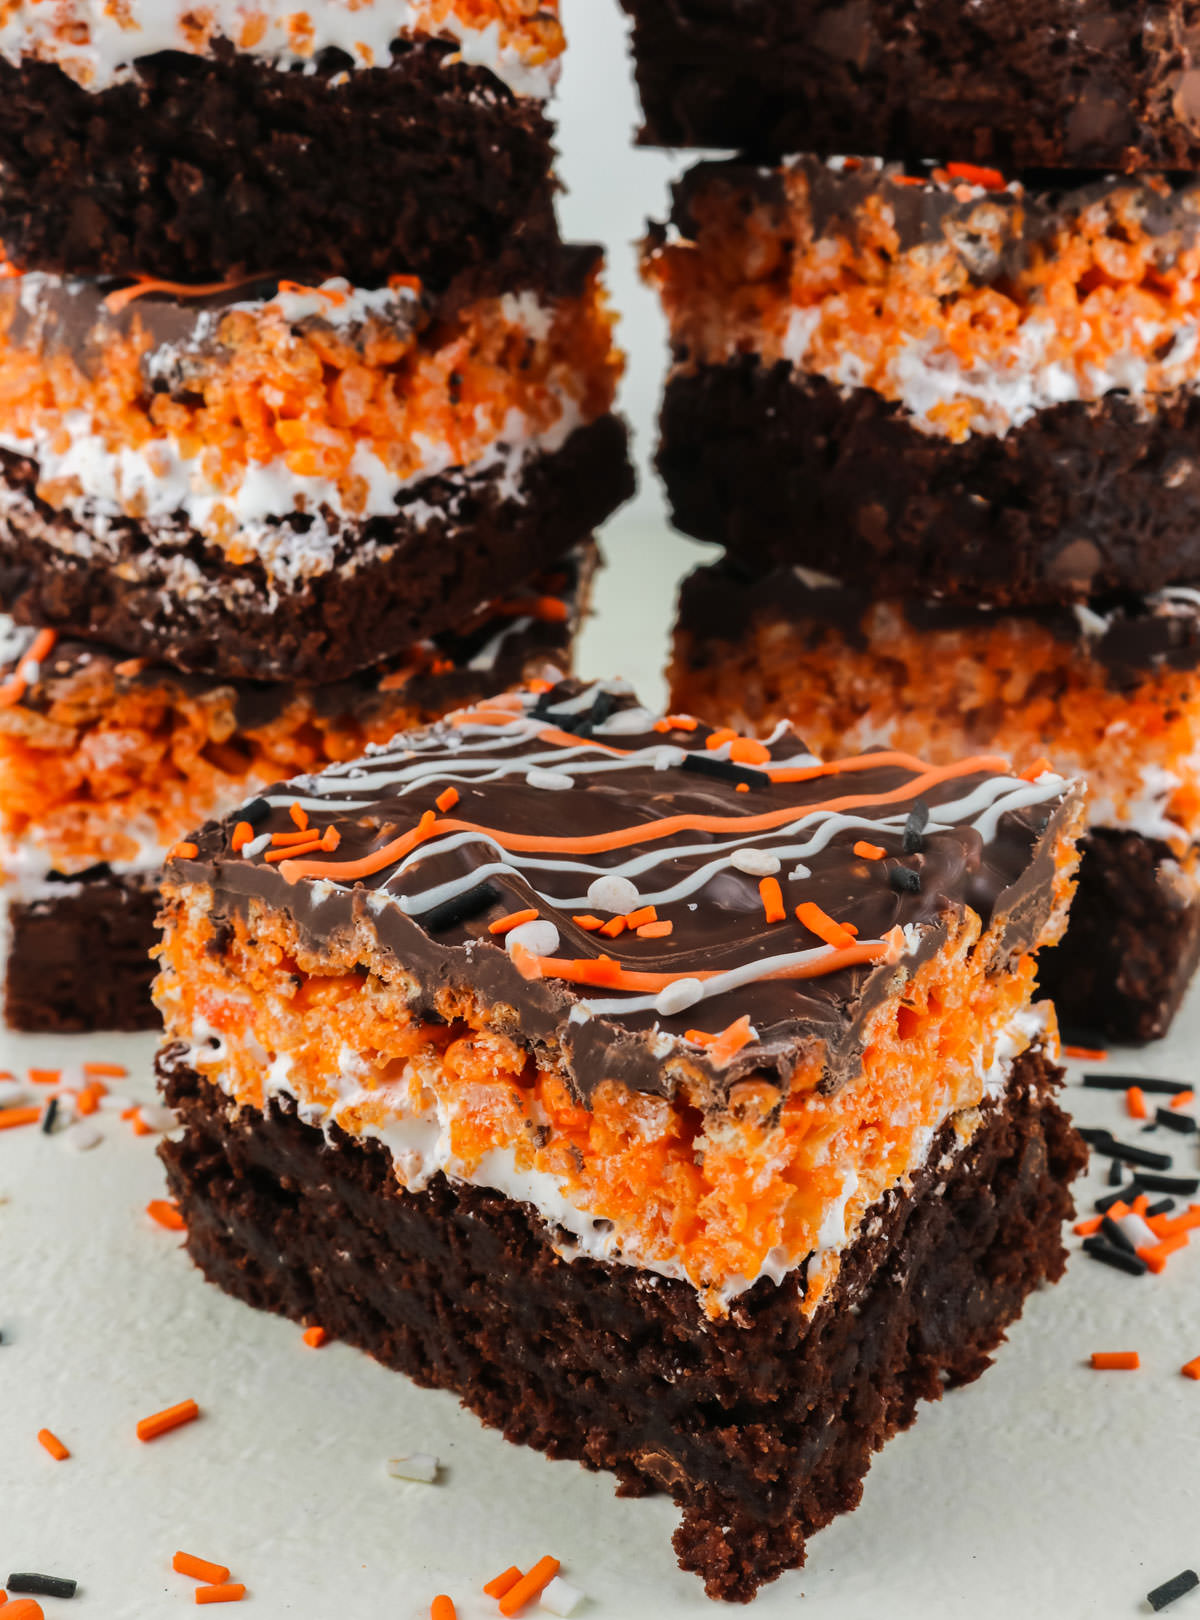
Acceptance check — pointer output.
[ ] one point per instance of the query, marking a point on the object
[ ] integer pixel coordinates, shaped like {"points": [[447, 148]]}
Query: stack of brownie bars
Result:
{"points": [[305, 424], [940, 405]]}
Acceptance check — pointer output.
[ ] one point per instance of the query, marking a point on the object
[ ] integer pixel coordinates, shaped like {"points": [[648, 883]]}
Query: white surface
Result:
{"points": [[1045, 1490]]}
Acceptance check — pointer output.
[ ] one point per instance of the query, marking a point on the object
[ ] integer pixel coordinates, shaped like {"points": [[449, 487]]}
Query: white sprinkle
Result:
{"points": [[798, 872], [12, 1092], [615, 894], [675, 997], [1136, 1230], [81, 1136], [420, 1465], [157, 1117], [539, 938], [112, 1102], [560, 1597], [627, 723], [554, 780], [256, 845], [669, 759], [755, 862]]}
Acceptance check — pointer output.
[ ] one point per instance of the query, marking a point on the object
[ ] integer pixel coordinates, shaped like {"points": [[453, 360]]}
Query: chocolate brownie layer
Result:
{"points": [[79, 955], [1082, 499], [196, 169], [761, 1425], [454, 544], [1037, 83], [1133, 941]]}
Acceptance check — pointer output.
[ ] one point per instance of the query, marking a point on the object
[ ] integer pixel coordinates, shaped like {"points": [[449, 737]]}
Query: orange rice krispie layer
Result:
{"points": [[970, 301]]}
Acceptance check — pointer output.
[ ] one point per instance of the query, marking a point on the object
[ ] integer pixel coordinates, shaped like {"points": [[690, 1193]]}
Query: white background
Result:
{"points": [[1045, 1490]]}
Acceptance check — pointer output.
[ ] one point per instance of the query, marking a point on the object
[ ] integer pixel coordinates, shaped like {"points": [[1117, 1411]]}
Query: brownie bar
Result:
{"points": [[208, 167], [594, 1364], [79, 955], [704, 1031], [1108, 689], [1042, 83], [936, 385]]}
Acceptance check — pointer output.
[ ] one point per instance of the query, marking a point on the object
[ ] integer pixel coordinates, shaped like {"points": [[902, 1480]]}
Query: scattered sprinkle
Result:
{"points": [[226, 1593], [904, 879], [165, 1214], [1086, 1054], [1116, 1360], [461, 909], [1185, 1124], [45, 1077], [10, 1118], [1135, 1102], [186, 851], [200, 1569], [105, 1071], [869, 852], [51, 1443], [1104, 1143], [419, 1465], [447, 800], [1191, 1369], [1186, 1581], [772, 899], [655, 930], [561, 1598], [614, 895], [315, 1337], [539, 937], [299, 815], [529, 1586], [1122, 1082], [1099, 1248], [82, 1136], [442, 1608], [914, 828], [49, 1115], [500, 1585], [56, 1586], [172, 1417], [1182, 1099], [755, 862], [513, 919], [821, 924], [551, 781], [243, 834]]}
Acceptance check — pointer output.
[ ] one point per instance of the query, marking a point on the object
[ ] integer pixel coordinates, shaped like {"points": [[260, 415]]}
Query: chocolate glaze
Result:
{"points": [[1036, 206], [1128, 637], [1007, 878]]}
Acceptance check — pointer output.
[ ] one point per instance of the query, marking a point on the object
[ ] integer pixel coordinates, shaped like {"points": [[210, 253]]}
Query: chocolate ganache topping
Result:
{"points": [[581, 807]]}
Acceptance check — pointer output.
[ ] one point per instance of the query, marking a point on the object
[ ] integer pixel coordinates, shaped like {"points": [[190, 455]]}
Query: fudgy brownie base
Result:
{"points": [[761, 1425], [435, 574], [80, 960], [1133, 943], [1053, 83], [1081, 500], [199, 169]]}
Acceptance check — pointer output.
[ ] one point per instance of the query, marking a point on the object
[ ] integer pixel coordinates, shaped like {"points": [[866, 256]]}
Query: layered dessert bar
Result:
{"points": [[939, 381], [281, 482], [107, 762], [316, 138], [642, 1084], [1110, 691], [1045, 83]]}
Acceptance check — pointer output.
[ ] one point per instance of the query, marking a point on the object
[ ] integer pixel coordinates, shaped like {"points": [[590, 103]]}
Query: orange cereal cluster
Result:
{"points": [[1012, 686], [712, 1187], [1097, 288], [312, 397]]}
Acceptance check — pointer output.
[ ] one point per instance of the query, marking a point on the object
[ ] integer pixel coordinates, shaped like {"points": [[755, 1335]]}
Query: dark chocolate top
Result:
{"points": [[1130, 637], [560, 794]]}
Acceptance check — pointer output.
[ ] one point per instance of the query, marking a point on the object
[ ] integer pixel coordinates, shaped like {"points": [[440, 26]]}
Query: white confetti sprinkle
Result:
{"points": [[554, 780], [158, 1118], [799, 872], [112, 1102], [676, 997], [560, 1597], [419, 1465], [539, 938], [755, 862], [12, 1092], [256, 845], [615, 894], [81, 1136]]}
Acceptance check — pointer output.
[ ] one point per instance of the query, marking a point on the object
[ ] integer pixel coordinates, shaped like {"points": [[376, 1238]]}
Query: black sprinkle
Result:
{"points": [[1125, 1195], [1163, 1207], [603, 707], [49, 1115], [1093, 1135], [1101, 1249], [1149, 1130], [1115, 1173], [1122, 1082], [904, 880], [256, 812], [1186, 1581], [56, 1586], [1108, 1147], [1185, 1124], [462, 907], [708, 765], [914, 828], [1185, 1186], [1115, 1235]]}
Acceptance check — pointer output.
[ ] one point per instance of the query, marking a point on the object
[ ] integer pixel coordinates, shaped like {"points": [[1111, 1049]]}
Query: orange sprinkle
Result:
{"points": [[165, 1214], [655, 930], [447, 800], [1085, 1054], [725, 734], [869, 852], [187, 851], [821, 924], [199, 1568], [549, 609], [330, 838], [1156, 1255], [289, 840], [242, 834], [292, 852], [1038, 768], [989, 179], [645, 914], [299, 815], [514, 919], [231, 1593], [442, 1608], [614, 928], [11, 1117], [1182, 1099], [588, 923], [45, 1077], [172, 1417], [1116, 1360], [315, 1337], [500, 1584], [140, 1128], [772, 899], [129, 667], [676, 722], [731, 1040], [1115, 1211], [25, 1609], [699, 1036], [529, 1586], [1191, 1369], [106, 1071], [526, 963], [746, 751], [1086, 1228], [88, 1100], [53, 1445], [17, 684], [1141, 1204], [1135, 1102], [741, 787]]}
